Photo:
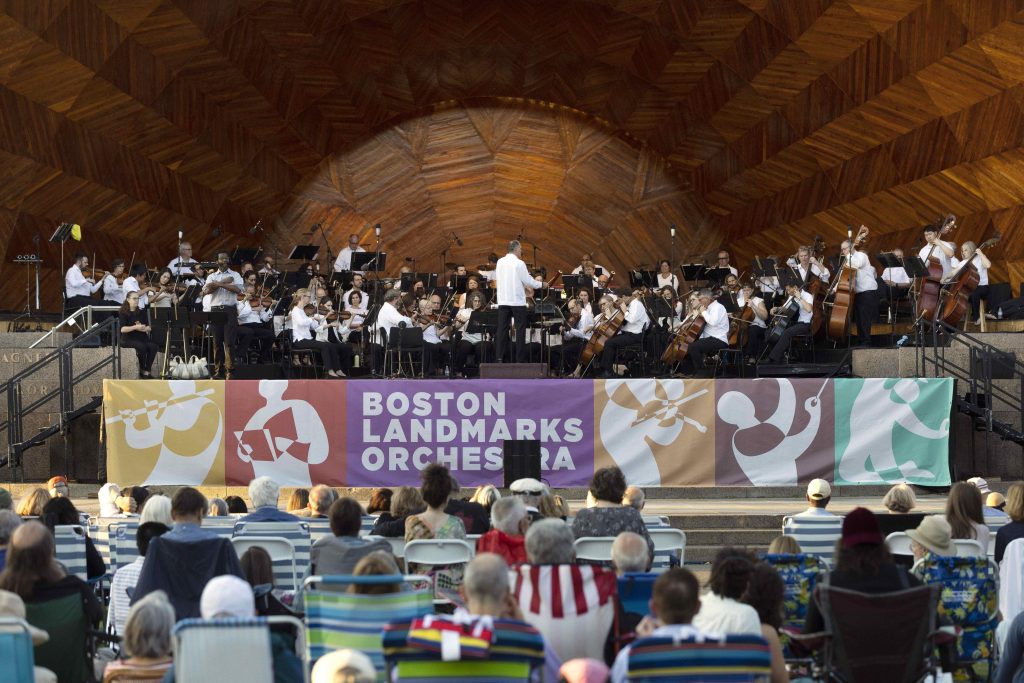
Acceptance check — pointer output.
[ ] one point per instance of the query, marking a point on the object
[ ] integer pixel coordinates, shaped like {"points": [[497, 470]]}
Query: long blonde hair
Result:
{"points": [[296, 296]]}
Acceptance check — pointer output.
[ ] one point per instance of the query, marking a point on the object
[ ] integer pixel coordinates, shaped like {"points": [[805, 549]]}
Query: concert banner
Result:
{"points": [[672, 432]]}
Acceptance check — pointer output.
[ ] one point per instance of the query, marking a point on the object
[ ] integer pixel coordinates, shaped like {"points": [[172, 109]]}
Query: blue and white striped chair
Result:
{"points": [[816, 535], [320, 527], [70, 542], [123, 548], [296, 532]]}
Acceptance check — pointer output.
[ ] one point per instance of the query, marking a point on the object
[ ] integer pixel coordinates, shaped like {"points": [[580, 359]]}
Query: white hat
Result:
{"points": [[818, 489], [227, 596], [528, 486], [332, 662], [934, 533], [11, 605], [980, 483]]}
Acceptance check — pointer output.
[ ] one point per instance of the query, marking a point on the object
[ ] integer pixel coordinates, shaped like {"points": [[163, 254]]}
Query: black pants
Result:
{"points": [[694, 361], [261, 333], [225, 336], [328, 352], [145, 349], [566, 357], [464, 349], [980, 292], [506, 315], [616, 342], [435, 356], [865, 313], [755, 340], [786, 339]]}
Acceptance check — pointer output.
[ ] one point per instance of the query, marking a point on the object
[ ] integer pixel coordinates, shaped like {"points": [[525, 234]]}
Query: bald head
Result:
{"points": [[486, 585], [634, 497], [629, 553], [31, 534]]}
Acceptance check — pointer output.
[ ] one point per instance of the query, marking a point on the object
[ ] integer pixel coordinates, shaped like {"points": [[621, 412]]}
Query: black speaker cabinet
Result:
{"points": [[522, 459]]}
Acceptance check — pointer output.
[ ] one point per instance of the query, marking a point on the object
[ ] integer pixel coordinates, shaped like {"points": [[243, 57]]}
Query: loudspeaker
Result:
{"points": [[521, 459], [513, 370], [258, 371], [1002, 364]]}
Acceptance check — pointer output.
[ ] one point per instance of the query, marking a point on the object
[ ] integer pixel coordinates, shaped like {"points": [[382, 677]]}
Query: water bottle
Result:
{"points": [[999, 313], [902, 341]]}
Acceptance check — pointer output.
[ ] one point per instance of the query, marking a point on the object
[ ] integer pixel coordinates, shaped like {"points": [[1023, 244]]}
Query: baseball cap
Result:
{"points": [[53, 481], [818, 489], [227, 596], [980, 483]]}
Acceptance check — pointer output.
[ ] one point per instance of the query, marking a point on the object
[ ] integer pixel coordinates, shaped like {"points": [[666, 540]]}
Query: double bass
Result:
{"points": [[956, 298], [841, 294], [928, 301]]}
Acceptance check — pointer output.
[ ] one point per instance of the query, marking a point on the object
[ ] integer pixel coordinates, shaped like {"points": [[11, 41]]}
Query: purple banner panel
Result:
{"points": [[395, 429]]}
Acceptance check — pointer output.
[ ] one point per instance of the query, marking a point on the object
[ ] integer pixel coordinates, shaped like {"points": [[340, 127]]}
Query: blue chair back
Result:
{"points": [[16, 651], [727, 659]]}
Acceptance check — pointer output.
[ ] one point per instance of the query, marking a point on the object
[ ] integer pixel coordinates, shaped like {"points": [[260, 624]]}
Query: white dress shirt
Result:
{"points": [[716, 322], [946, 261], [636, 317], [897, 276], [131, 284], [112, 291], [754, 300], [669, 280], [976, 260], [805, 316], [513, 277], [820, 271], [76, 284], [303, 327], [864, 280], [247, 316], [388, 317], [586, 321], [344, 260], [221, 296], [724, 615], [185, 269]]}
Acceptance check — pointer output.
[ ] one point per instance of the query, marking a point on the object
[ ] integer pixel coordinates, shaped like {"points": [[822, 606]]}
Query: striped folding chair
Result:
{"points": [[200, 646], [295, 532], [669, 548], [281, 550], [655, 521], [70, 542], [123, 549], [731, 658], [483, 650], [320, 527], [366, 524], [816, 535], [337, 620]]}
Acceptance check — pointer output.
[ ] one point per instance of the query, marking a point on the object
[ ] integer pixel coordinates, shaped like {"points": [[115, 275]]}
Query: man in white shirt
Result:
{"points": [[253, 323], [513, 278], [971, 254], [436, 348], [113, 291], [805, 308], [268, 267], [806, 265], [636, 320], [223, 286], [78, 288], [388, 320], [675, 601], [895, 281], [819, 493], [713, 338], [865, 292], [181, 267], [937, 249], [757, 328], [490, 272], [723, 262], [344, 260]]}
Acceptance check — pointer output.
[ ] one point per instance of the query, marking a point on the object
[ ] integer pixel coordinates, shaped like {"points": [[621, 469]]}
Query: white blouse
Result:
{"points": [[302, 325]]}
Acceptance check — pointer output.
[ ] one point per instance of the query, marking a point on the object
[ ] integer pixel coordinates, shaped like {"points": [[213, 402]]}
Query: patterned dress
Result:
{"points": [[445, 576]]}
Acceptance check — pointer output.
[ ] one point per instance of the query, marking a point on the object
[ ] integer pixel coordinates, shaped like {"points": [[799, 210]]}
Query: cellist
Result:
{"points": [[939, 249], [805, 301], [865, 288], [636, 319], [713, 338], [759, 326], [972, 254]]}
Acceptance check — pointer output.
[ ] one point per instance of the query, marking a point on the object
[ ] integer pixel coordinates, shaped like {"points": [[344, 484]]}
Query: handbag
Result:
{"points": [[179, 369], [199, 368]]}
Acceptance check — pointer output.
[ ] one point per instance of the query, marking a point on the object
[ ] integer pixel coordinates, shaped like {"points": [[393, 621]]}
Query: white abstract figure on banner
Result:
{"points": [[777, 465], [180, 413], [881, 405], [655, 413], [283, 438]]}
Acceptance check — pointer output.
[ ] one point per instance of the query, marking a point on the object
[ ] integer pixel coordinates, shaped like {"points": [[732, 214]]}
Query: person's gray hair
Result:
{"points": [[900, 498], [218, 508], [320, 498], [634, 497], [513, 245], [550, 541], [486, 578], [630, 553], [264, 491], [156, 509], [392, 294], [147, 631], [9, 521], [507, 513]]}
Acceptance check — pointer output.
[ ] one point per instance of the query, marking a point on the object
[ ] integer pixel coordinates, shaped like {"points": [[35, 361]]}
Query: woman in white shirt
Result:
{"points": [[665, 276], [357, 308], [964, 512], [471, 342], [303, 329]]}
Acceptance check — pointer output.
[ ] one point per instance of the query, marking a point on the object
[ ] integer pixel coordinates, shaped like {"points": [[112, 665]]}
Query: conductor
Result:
{"points": [[512, 279]]}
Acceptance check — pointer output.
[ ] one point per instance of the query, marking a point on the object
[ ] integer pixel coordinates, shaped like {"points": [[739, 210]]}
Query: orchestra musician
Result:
{"points": [[135, 334], [865, 289], [490, 273], [254, 324], [357, 286], [162, 295], [512, 277], [758, 326], [588, 259], [436, 330], [135, 281], [113, 282], [670, 323], [182, 267], [636, 319], [970, 253], [665, 276], [472, 285], [895, 281], [357, 308], [584, 296], [771, 290], [939, 249], [805, 303], [268, 267], [303, 330], [574, 337], [223, 287], [334, 331], [723, 262], [389, 318], [713, 338], [344, 260], [805, 264], [78, 289], [471, 342]]}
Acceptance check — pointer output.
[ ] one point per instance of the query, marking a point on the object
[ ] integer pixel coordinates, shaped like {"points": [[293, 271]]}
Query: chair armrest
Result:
{"points": [[104, 636], [945, 635], [804, 644]]}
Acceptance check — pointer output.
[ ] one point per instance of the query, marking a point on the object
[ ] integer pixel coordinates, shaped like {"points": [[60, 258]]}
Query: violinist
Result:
{"points": [[162, 294], [436, 328], [135, 281], [971, 254], [334, 330], [78, 289], [389, 317], [268, 267], [254, 316], [471, 342], [758, 326], [357, 309], [304, 327], [665, 276], [805, 307], [713, 338], [636, 320], [113, 282], [865, 288], [135, 334], [937, 248]]}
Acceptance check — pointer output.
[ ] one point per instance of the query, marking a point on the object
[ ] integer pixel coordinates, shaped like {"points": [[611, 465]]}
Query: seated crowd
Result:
{"points": [[524, 562]]}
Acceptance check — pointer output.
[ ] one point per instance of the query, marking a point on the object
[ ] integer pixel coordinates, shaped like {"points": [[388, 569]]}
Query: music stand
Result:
{"points": [[368, 260], [572, 283], [460, 283], [914, 266], [717, 274], [484, 323], [693, 271], [246, 254], [643, 278], [304, 252], [787, 277]]}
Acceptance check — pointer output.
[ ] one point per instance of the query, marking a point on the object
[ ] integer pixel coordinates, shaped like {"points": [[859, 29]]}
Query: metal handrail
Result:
{"points": [[85, 311]]}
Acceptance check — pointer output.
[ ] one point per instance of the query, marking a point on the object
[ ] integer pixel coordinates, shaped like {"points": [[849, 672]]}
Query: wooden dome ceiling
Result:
{"points": [[591, 125]]}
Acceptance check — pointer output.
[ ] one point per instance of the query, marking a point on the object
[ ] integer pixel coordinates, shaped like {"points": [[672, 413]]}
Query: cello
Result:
{"points": [[687, 333], [956, 303], [841, 293], [928, 301], [605, 330]]}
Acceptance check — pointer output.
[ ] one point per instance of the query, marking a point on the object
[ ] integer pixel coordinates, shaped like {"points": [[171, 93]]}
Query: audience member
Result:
{"points": [[218, 508], [320, 500], [489, 595], [933, 536], [964, 513], [899, 503], [340, 552], [862, 563], [629, 554], [6, 501], [406, 501], [720, 608], [344, 666], [298, 501], [765, 593], [236, 505], [146, 636], [380, 501], [263, 494], [548, 506], [133, 500], [486, 495], [584, 670], [1011, 659], [107, 497], [127, 576], [507, 537], [258, 570], [473, 515], [784, 545], [1014, 529], [8, 523], [675, 601], [58, 486], [634, 497], [989, 511], [31, 502], [996, 502], [377, 563], [562, 505], [550, 541], [62, 512], [819, 493], [182, 561], [435, 522], [157, 509], [608, 516], [530, 490]]}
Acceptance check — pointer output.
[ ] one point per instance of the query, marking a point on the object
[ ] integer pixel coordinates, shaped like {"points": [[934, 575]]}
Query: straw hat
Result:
{"points": [[934, 534]]}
